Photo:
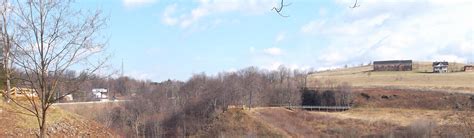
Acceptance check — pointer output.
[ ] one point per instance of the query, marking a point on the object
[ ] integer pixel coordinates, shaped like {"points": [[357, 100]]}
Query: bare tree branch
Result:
{"points": [[278, 10], [355, 5]]}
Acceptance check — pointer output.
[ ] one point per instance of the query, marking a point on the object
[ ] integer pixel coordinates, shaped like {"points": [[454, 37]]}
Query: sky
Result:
{"points": [[173, 39]]}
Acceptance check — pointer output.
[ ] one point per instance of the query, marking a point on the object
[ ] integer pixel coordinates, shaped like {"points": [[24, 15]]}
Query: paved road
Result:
{"points": [[92, 102]]}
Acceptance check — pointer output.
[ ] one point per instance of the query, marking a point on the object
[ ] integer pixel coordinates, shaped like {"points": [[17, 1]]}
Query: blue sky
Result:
{"points": [[160, 39]]}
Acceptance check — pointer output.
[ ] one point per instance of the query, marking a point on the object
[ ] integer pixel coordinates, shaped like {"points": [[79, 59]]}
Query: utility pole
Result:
{"points": [[121, 75]]}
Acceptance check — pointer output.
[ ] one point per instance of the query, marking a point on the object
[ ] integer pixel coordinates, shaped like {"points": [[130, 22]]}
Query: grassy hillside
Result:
{"points": [[401, 117], [417, 79], [238, 123], [424, 66], [367, 122], [17, 122], [357, 122]]}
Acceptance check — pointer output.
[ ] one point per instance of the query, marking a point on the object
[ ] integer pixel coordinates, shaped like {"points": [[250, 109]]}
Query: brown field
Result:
{"points": [[420, 78], [400, 116], [358, 122], [406, 113], [411, 99], [89, 111]]}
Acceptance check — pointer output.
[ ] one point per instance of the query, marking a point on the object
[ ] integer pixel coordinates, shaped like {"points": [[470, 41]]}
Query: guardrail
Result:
{"points": [[320, 108], [92, 102]]}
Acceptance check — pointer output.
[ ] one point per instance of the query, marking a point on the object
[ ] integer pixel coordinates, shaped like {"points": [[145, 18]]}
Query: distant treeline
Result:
{"points": [[175, 108], [184, 108]]}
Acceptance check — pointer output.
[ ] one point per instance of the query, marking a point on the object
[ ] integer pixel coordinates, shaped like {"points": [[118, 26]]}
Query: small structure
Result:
{"points": [[100, 93], [440, 67], [468, 68], [22, 93], [393, 65], [68, 97]]}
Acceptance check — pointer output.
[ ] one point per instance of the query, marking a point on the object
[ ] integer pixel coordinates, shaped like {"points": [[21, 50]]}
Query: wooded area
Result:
{"points": [[174, 108]]}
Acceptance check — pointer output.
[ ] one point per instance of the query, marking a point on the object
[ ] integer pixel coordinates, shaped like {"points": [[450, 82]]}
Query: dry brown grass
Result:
{"points": [[237, 123], [89, 111], [401, 117], [411, 99], [292, 123], [365, 78], [426, 66], [18, 122], [365, 122], [300, 123]]}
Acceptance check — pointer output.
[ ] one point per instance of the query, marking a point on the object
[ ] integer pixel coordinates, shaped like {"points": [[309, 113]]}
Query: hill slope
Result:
{"points": [[237, 122], [365, 122], [417, 79], [18, 123]]}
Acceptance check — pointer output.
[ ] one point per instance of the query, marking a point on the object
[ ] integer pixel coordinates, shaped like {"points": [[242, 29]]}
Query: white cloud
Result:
{"points": [[312, 26], [231, 70], [273, 51], [207, 8], [280, 37], [299, 67], [139, 75], [167, 15], [381, 30], [137, 3], [272, 66]]}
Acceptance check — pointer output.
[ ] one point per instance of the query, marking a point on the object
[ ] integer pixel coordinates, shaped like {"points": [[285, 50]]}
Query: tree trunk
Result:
{"points": [[6, 68], [43, 125], [8, 88], [42, 131], [250, 100]]}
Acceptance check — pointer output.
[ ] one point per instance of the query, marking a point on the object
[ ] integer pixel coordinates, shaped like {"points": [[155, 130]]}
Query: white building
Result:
{"points": [[68, 97], [100, 93], [440, 67]]}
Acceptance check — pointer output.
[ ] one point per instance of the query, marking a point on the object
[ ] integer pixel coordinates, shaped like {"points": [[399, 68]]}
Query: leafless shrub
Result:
{"points": [[421, 128], [350, 133], [466, 122]]}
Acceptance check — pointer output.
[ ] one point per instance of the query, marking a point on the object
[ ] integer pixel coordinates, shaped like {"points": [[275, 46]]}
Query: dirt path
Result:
{"points": [[290, 123]]}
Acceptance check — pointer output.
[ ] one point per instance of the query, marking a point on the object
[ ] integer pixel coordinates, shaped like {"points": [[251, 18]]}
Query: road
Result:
{"points": [[92, 102]]}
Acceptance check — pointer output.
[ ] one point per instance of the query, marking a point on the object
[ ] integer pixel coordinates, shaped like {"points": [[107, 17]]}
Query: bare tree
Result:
{"points": [[54, 37], [6, 37]]}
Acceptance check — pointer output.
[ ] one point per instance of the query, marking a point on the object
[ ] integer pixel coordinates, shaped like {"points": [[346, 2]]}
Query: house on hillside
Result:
{"points": [[440, 67], [468, 68], [393, 65]]}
